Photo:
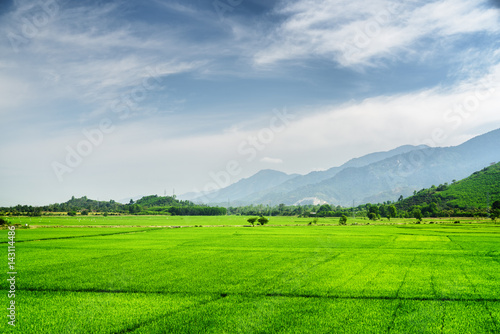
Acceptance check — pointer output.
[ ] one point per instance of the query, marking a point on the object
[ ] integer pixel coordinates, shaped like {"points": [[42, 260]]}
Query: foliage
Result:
{"points": [[3, 221], [343, 220], [252, 220], [263, 220], [495, 210], [468, 197], [417, 214], [151, 205], [392, 211]]}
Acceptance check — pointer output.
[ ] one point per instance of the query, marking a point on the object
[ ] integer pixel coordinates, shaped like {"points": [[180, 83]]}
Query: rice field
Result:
{"points": [[440, 278]]}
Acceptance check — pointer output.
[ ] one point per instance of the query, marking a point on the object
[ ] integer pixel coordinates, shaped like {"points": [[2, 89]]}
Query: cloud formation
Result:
{"points": [[187, 92], [360, 33]]}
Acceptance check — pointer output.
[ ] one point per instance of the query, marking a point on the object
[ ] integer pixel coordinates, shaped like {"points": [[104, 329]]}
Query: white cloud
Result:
{"points": [[85, 55], [86, 58], [359, 33], [269, 160]]}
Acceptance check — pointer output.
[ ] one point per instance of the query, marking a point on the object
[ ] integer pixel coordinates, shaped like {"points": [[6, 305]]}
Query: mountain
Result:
{"points": [[374, 178], [479, 190], [269, 186], [263, 180], [404, 173], [277, 194]]}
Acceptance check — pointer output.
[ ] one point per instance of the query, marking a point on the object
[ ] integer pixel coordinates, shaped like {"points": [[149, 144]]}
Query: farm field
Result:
{"points": [[440, 278], [148, 221]]}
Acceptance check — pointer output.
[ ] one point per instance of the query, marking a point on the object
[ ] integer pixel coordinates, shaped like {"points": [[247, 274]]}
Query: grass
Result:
{"points": [[148, 221], [440, 278]]}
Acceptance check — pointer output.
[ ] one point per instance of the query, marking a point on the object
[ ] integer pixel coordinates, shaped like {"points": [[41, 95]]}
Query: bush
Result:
{"points": [[4, 221], [263, 220], [72, 213], [343, 220], [252, 220]]}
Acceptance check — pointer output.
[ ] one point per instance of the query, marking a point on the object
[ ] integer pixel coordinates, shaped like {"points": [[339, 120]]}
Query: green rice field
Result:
{"points": [[403, 278]]}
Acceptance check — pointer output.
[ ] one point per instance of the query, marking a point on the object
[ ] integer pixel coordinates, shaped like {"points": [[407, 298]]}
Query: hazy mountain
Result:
{"points": [[375, 177], [270, 186], [403, 173], [263, 180], [273, 195]]}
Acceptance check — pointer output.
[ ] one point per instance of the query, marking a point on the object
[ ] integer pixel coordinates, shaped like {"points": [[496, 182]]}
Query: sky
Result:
{"points": [[119, 99]]}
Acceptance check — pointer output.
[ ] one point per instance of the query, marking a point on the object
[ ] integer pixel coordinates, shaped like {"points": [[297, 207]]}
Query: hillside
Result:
{"points": [[479, 190], [273, 187], [260, 182], [385, 176], [151, 205]]}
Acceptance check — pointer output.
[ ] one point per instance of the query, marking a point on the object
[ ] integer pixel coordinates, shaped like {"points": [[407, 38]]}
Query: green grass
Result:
{"points": [[166, 221], [440, 278]]}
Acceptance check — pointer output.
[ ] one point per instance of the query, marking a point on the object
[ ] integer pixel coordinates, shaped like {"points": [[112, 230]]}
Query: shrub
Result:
{"points": [[343, 220], [252, 220], [263, 220]]}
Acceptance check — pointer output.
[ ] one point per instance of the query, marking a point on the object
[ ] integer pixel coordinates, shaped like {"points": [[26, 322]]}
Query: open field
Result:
{"points": [[440, 278], [148, 221]]}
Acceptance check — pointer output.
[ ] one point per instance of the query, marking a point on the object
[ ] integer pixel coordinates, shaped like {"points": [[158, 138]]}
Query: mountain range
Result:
{"points": [[373, 178]]}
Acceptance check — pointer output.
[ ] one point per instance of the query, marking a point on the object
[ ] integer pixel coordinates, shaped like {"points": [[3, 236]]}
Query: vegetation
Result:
{"points": [[252, 220], [468, 197], [148, 205], [392, 278], [262, 220]]}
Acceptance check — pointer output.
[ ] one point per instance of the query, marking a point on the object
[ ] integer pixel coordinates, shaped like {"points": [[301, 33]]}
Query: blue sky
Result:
{"points": [[116, 99]]}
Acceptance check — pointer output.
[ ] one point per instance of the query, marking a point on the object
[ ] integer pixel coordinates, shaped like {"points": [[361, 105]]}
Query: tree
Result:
{"points": [[263, 220], [373, 212], [72, 213], [391, 212], [252, 220], [383, 211], [325, 208], [495, 210], [343, 220], [37, 212], [85, 212], [417, 214]]}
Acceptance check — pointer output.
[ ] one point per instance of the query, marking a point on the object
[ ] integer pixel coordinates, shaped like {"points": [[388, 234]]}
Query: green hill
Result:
{"points": [[478, 191]]}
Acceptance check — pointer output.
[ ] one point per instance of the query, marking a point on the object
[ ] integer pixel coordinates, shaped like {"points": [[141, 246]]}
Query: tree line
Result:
{"points": [[148, 205]]}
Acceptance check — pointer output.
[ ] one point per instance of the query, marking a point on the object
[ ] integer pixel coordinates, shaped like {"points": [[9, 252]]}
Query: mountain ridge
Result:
{"points": [[378, 176]]}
